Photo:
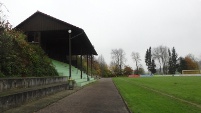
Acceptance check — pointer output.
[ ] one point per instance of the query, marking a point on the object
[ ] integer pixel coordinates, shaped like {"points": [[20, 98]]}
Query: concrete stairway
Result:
{"points": [[63, 70]]}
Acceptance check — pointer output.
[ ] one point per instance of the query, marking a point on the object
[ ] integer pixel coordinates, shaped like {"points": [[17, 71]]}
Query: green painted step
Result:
{"points": [[63, 70]]}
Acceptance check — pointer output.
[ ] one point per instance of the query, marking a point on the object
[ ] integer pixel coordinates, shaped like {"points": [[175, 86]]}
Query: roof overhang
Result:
{"points": [[43, 22]]}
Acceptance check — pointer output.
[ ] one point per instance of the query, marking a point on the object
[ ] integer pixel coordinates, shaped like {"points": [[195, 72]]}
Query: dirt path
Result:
{"points": [[101, 97]]}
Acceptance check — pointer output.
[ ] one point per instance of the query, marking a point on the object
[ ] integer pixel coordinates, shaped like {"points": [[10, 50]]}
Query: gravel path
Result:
{"points": [[101, 97]]}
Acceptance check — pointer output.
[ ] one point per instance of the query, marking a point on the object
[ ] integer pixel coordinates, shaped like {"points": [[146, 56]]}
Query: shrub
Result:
{"points": [[19, 58]]}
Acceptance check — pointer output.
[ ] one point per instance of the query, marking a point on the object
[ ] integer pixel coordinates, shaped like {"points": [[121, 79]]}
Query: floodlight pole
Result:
{"points": [[70, 53], [69, 31]]}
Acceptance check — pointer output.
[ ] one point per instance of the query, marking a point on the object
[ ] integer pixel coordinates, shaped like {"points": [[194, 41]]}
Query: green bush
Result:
{"points": [[1, 74], [19, 58]]}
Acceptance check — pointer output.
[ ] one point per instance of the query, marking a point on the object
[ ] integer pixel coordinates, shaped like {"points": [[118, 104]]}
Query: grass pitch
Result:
{"points": [[161, 94]]}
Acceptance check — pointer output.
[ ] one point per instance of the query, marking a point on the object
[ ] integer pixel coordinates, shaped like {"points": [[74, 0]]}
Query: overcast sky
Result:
{"points": [[133, 25]]}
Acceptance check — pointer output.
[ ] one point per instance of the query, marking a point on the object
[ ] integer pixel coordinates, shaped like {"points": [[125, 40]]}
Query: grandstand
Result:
{"points": [[53, 36], [58, 43]]}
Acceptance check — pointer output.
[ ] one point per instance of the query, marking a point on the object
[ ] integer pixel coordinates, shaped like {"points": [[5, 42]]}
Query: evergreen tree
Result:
{"points": [[174, 60], [149, 62], [149, 59], [146, 57], [153, 67], [170, 62]]}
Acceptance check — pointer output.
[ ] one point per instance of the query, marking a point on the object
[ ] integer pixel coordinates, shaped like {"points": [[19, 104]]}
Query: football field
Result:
{"points": [[179, 94]]}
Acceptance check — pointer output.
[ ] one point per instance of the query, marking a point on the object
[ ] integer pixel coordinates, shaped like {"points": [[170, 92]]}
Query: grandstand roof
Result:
{"points": [[54, 34]]}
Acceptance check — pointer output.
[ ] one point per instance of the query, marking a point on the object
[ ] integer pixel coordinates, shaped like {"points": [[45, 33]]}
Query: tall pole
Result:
{"points": [[69, 31], [70, 54], [91, 63]]}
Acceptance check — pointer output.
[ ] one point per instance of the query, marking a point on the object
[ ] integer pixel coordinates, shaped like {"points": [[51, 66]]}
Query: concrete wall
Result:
{"points": [[16, 91], [17, 99], [25, 82]]}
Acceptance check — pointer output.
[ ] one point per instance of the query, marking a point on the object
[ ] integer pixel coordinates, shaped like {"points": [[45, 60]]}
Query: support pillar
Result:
{"points": [[87, 67], [91, 63], [81, 66]]}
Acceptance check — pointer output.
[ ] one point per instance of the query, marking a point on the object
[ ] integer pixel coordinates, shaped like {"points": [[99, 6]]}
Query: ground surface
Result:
{"points": [[99, 97]]}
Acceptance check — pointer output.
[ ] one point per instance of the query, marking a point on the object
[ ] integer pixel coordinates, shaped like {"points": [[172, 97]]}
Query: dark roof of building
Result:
{"points": [[42, 22]]}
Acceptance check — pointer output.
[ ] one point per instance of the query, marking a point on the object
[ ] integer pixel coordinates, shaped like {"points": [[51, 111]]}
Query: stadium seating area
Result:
{"points": [[63, 70]]}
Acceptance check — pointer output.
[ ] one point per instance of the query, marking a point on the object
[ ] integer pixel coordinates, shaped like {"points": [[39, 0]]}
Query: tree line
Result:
{"points": [[168, 61], [159, 60], [118, 65]]}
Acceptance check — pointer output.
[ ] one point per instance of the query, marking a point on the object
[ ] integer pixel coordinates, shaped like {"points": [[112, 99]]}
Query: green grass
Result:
{"points": [[146, 95]]}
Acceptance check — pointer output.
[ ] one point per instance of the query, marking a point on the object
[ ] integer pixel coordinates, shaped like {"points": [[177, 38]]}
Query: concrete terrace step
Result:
{"points": [[21, 90], [84, 81], [80, 84], [16, 97], [63, 69]]}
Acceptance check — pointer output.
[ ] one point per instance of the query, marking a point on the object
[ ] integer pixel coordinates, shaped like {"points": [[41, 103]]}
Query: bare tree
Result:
{"points": [[157, 56], [102, 64], [101, 60], [160, 53], [118, 59], [199, 63], [3, 16], [136, 57], [114, 68]]}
